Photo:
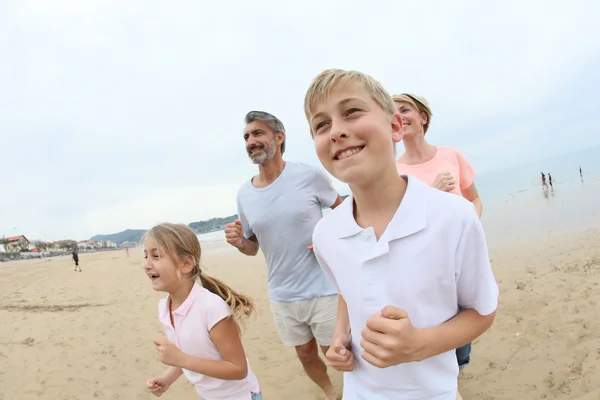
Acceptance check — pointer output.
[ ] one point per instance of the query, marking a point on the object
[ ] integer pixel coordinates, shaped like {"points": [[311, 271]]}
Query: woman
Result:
{"points": [[442, 167]]}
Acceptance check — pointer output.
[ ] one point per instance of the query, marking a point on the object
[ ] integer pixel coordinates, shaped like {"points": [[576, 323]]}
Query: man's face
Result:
{"points": [[261, 142]]}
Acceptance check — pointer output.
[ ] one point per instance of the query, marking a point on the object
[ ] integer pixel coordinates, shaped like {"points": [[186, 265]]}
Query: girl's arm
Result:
{"points": [[472, 195], [172, 374], [234, 366]]}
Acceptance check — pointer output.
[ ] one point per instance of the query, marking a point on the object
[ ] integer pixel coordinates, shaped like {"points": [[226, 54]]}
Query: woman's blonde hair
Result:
{"points": [[419, 103], [179, 242]]}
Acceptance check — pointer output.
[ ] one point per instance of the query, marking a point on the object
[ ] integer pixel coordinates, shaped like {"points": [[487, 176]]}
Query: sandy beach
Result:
{"points": [[67, 335]]}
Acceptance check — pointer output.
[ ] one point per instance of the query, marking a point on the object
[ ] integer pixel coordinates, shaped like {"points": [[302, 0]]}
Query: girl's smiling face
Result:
{"points": [[160, 268]]}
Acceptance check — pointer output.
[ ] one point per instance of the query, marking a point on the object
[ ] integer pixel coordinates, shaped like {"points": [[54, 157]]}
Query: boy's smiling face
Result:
{"points": [[354, 138]]}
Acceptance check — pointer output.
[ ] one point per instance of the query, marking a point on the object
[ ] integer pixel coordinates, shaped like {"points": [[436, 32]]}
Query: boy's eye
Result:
{"points": [[351, 110], [320, 125]]}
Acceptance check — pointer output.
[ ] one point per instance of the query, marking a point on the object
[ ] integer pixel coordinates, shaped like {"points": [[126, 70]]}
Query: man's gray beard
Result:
{"points": [[260, 158], [264, 155]]}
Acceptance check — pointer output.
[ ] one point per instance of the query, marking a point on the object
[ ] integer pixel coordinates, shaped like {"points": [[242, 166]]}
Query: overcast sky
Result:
{"points": [[120, 114]]}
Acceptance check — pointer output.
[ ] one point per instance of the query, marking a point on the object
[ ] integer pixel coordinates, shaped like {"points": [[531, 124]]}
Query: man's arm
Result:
{"points": [[337, 202], [249, 246]]}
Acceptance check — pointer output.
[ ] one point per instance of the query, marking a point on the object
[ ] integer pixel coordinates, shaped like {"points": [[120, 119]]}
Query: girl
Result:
{"points": [[200, 316]]}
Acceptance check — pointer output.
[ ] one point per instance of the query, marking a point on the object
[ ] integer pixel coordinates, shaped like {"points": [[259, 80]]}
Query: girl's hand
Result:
{"points": [[158, 385], [168, 353]]}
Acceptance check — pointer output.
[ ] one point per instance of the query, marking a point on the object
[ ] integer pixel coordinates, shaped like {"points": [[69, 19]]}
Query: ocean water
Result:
{"points": [[515, 208]]}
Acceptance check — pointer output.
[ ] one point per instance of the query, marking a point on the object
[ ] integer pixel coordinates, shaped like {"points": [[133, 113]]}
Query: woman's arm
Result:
{"points": [[234, 366], [472, 195]]}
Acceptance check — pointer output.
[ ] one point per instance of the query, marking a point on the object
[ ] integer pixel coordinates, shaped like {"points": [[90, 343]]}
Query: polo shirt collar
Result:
{"points": [[183, 309], [410, 218]]}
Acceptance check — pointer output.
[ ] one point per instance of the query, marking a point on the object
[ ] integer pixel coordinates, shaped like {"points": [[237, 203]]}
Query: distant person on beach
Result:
{"points": [[580, 173], [76, 259], [200, 316], [278, 210], [127, 251], [442, 167], [550, 180], [544, 184], [402, 254]]}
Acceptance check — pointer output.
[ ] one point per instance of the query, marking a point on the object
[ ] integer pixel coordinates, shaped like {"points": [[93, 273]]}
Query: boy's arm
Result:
{"points": [[457, 332], [342, 325], [477, 295]]}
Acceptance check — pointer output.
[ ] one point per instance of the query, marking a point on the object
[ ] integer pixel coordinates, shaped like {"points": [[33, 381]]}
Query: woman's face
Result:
{"points": [[412, 120]]}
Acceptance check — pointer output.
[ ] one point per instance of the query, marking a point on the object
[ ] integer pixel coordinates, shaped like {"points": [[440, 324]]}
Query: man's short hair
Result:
{"points": [[272, 121]]}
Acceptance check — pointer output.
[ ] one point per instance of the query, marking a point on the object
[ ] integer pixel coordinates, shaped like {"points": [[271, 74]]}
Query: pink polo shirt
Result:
{"points": [[448, 159], [191, 334]]}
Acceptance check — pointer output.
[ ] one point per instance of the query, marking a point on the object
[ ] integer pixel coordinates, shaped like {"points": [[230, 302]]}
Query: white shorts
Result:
{"points": [[299, 321]]}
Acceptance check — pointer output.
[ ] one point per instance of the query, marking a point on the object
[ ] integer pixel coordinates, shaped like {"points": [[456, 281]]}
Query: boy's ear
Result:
{"points": [[397, 129], [188, 265]]}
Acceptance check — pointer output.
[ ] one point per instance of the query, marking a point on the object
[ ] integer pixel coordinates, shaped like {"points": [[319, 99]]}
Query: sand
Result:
{"points": [[68, 335]]}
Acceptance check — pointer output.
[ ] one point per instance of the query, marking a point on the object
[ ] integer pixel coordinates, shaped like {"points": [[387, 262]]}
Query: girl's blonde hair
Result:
{"points": [[419, 104], [179, 243]]}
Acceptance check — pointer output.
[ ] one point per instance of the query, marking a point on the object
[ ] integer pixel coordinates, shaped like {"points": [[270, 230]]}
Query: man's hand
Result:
{"points": [[158, 385], [339, 356], [311, 248], [444, 181], [168, 353], [234, 233], [391, 339]]}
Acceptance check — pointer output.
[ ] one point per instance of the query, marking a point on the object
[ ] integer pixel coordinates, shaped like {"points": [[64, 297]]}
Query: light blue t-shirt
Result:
{"points": [[283, 216]]}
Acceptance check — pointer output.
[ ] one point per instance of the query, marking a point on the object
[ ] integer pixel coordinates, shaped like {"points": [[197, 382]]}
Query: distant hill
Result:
{"points": [[135, 235], [213, 224], [128, 235]]}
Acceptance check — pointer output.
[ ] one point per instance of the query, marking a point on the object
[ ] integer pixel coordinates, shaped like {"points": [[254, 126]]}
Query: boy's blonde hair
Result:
{"points": [[331, 79], [179, 242], [419, 103]]}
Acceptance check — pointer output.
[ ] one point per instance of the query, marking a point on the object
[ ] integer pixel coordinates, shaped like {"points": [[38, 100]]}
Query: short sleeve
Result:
{"points": [[323, 187], [467, 173], [324, 266], [476, 284], [248, 233], [215, 311]]}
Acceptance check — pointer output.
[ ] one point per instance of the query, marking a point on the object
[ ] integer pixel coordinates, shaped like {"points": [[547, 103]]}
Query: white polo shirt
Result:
{"points": [[432, 258]]}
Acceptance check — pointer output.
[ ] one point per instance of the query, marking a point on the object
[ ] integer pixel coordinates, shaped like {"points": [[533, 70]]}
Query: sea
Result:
{"points": [[516, 209]]}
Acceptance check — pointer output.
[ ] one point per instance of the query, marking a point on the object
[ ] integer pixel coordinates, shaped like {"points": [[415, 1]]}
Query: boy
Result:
{"points": [[402, 255]]}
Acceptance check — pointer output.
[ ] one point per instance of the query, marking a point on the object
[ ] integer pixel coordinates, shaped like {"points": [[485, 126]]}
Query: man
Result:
{"points": [[278, 210]]}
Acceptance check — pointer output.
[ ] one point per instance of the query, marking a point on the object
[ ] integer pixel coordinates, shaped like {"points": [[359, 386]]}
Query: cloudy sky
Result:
{"points": [[120, 114]]}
